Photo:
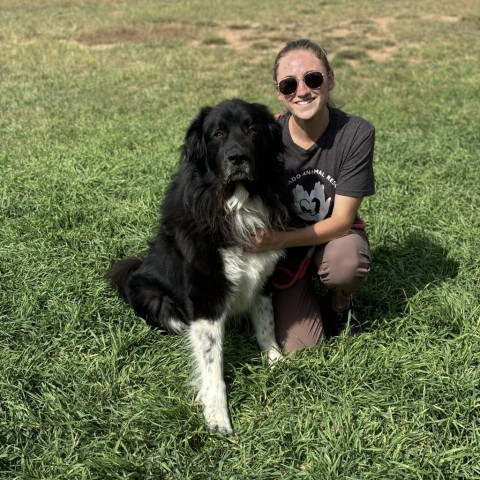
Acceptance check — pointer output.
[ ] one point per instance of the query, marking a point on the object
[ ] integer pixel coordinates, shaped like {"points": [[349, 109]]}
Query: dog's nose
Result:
{"points": [[236, 157]]}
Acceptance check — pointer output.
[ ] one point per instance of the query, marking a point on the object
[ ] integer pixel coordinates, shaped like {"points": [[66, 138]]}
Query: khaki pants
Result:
{"points": [[342, 266]]}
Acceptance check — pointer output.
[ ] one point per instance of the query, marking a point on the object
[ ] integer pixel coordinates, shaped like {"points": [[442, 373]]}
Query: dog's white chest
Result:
{"points": [[247, 272]]}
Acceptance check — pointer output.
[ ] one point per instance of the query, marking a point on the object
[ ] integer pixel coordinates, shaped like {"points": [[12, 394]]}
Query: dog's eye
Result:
{"points": [[252, 130], [219, 134]]}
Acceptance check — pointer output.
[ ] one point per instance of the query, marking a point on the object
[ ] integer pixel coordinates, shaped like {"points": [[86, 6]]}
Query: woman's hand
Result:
{"points": [[264, 240], [339, 224]]}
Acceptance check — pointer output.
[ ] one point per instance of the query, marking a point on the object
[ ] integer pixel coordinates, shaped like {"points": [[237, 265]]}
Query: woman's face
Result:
{"points": [[305, 103]]}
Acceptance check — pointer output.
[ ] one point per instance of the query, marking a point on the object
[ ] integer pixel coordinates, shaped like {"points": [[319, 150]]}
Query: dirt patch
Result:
{"points": [[382, 55], [237, 37], [112, 35], [371, 37], [367, 37], [443, 18]]}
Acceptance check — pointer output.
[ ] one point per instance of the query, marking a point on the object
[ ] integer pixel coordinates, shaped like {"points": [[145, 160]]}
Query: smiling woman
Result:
{"points": [[328, 165]]}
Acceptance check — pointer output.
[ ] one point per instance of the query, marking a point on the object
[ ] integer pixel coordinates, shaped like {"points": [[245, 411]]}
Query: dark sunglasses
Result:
{"points": [[289, 85]]}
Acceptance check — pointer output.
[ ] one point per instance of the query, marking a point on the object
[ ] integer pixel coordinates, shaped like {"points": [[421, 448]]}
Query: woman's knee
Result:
{"points": [[344, 261]]}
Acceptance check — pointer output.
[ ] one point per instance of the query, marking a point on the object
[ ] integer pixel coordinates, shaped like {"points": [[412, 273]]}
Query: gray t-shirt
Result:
{"points": [[341, 161]]}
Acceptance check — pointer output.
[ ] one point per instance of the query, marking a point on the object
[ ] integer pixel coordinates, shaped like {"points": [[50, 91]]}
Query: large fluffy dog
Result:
{"points": [[197, 273]]}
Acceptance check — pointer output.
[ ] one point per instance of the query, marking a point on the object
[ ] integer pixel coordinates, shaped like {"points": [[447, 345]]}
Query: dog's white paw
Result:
{"points": [[217, 419], [273, 356]]}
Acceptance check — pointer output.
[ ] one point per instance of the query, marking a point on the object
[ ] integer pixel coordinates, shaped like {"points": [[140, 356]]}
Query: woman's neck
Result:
{"points": [[306, 132]]}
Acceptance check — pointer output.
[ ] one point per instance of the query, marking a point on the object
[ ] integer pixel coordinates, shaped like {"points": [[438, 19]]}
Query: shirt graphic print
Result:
{"points": [[311, 201]]}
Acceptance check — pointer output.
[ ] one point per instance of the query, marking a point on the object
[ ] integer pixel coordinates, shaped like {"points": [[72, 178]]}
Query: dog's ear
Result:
{"points": [[276, 134], [275, 142], [194, 146]]}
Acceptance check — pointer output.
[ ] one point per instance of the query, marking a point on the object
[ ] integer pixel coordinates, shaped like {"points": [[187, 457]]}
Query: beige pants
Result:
{"points": [[342, 266]]}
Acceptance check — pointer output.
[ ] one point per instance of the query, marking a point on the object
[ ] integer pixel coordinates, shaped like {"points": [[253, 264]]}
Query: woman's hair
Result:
{"points": [[317, 50]]}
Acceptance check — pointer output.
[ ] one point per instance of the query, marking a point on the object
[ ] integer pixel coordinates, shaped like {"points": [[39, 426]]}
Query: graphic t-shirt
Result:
{"points": [[341, 161]]}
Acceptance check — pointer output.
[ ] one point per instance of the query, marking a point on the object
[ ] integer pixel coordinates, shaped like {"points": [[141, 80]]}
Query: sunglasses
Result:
{"points": [[289, 85]]}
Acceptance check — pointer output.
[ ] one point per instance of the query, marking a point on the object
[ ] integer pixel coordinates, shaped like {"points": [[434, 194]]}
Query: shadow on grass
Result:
{"points": [[399, 272]]}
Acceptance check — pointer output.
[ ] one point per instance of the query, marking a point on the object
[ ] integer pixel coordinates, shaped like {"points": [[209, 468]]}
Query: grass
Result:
{"points": [[95, 99]]}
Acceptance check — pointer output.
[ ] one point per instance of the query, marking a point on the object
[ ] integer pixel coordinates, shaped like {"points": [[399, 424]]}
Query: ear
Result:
{"points": [[331, 80], [194, 146], [275, 142], [276, 135]]}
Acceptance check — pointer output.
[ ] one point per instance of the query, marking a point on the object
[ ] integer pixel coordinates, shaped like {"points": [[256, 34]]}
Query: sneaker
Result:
{"points": [[335, 323]]}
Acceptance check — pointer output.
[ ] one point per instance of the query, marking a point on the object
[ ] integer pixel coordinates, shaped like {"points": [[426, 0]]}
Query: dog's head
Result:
{"points": [[235, 141]]}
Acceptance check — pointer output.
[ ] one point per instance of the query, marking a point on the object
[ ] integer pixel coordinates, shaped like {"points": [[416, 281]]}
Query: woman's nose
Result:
{"points": [[302, 88]]}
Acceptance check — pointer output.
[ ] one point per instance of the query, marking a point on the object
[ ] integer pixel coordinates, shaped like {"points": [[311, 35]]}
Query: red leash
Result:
{"points": [[359, 224], [293, 277]]}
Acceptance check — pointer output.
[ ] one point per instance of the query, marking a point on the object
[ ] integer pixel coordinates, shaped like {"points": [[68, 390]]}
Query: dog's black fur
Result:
{"points": [[196, 272]]}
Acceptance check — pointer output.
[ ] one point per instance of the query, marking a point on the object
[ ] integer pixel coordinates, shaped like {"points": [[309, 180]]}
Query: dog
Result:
{"points": [[197, 273]]}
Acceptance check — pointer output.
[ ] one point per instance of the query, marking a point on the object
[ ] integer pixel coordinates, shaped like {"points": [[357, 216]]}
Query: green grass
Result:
{"points": [[95, 98]]}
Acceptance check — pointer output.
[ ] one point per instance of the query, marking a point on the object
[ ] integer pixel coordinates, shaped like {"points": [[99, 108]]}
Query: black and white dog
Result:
{"points": [[197, 273]]}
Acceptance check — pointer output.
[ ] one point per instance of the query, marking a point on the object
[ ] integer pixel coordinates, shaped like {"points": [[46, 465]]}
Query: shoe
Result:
{"points": [[334, 323]]}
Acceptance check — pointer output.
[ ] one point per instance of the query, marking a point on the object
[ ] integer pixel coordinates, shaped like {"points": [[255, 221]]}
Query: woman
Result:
{"points": [[328, 166]]}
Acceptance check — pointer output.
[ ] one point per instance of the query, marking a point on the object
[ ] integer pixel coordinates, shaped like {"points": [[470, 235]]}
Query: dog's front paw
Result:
{"points": [[274, 355], [217, 420]]}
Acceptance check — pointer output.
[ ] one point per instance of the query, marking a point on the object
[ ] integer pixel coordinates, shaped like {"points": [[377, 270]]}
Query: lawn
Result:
{"points": [[95, 97]]}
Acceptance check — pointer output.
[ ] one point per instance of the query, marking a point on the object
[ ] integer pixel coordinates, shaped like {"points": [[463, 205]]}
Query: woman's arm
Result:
{"points": [[344, 212]]}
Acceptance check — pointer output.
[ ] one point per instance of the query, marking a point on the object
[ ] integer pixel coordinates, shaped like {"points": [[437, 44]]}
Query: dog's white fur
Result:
{"points": [[248, 273]]}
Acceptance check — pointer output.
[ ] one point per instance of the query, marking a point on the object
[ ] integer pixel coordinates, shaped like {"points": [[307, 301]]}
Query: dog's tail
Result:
{"points": [[120, 272]]}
